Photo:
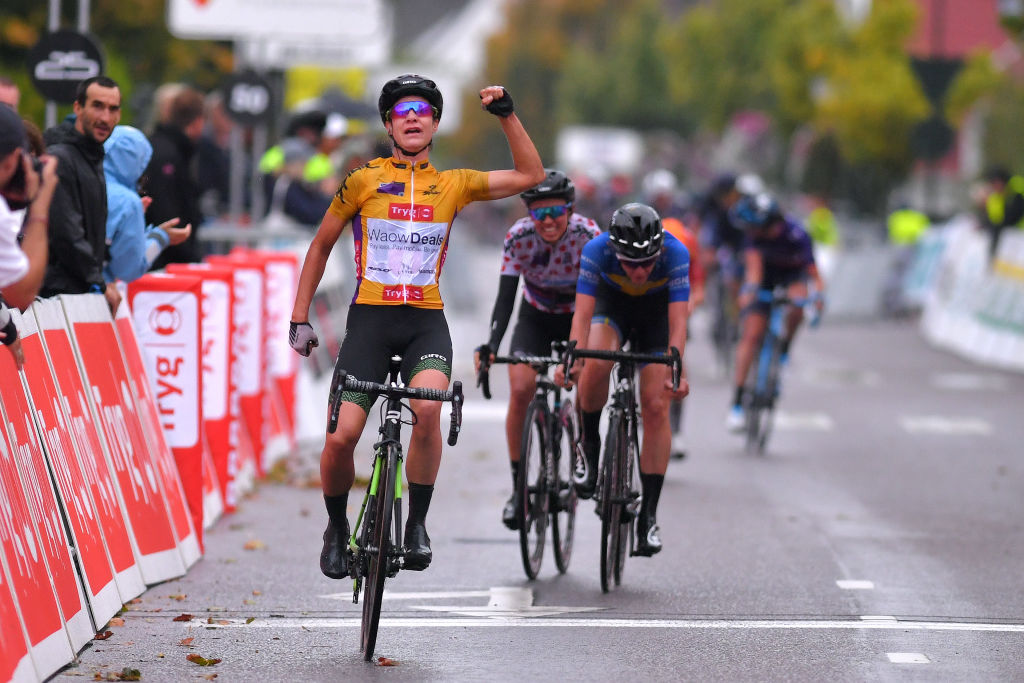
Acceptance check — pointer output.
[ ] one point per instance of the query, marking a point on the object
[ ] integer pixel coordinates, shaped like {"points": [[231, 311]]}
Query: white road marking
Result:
{"points": [[855, 585], [598, 622], [872, 617], [947, 426], [390, 595], [908, 658], [807, 422], [968, 381]]}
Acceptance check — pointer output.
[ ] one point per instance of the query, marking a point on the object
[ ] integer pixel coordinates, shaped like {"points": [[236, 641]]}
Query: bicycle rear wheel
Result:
{"points": [[563, 496], [533, 490], [611, 509], [379, 549]]}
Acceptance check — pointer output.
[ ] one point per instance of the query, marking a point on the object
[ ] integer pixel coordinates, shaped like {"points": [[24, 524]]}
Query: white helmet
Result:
{"points": [[750, 184], [658, 182]]}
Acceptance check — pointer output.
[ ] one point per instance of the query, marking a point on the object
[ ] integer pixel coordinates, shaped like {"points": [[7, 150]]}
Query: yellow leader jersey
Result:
{"points": [[401, 217]]}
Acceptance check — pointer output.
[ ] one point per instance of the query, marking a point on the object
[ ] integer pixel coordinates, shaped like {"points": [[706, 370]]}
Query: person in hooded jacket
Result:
{"points": [[78, 214], [132, 245]]}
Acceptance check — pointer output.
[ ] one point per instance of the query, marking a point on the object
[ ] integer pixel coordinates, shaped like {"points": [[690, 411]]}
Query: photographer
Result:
{"points": [[24, 183]]}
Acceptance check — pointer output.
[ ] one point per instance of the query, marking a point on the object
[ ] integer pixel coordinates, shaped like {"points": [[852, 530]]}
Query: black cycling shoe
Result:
{"points": [[417, 547], [648, 539], [334, 556], [509, 516]]}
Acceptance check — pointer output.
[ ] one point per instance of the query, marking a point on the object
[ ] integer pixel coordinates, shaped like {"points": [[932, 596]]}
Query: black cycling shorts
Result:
{"points": [[640, 320], [375, 333], [536, 329]]}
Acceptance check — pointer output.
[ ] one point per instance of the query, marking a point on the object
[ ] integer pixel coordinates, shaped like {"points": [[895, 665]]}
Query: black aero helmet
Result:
{"points": [[635, 231], [752, 212], [556, 185], [405, 86]]}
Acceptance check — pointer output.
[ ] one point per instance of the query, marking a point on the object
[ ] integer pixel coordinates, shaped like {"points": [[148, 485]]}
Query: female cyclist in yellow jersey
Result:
{"points": [[401, 210]]}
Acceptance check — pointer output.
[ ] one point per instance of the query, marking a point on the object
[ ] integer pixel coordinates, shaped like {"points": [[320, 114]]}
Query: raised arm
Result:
{"points": [[314, 264], [528, 169]]}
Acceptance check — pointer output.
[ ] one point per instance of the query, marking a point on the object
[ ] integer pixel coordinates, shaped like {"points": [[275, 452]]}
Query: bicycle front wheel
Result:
{"points": [[532, 489], [563, 493], [379, 549], [611, 509], [629, 497]]}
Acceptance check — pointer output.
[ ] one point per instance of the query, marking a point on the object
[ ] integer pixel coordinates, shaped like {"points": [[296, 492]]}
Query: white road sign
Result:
{"points": [[350, 20]]}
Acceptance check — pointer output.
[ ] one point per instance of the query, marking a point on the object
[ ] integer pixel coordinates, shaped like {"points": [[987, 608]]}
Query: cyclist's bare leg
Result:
{"points": [[795, 315], [593, 384], [522, 380], [424, 458], [654, 403], [753, 327], [337, 471]]}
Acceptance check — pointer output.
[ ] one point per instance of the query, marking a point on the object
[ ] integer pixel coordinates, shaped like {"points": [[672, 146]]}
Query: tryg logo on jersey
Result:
{"points": [[402, 293], [406, 212]]}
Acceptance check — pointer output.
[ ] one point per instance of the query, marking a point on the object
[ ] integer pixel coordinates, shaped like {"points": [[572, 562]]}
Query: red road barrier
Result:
{"points": [[75, 418], [166, 311], [90, 523], [220, 400], [15, 661], [167, 469], [121, 437], [45, 509], [248, 345], [27, 572]]}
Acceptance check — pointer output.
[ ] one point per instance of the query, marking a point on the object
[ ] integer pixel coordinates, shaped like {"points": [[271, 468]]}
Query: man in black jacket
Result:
{"points": [[171, 178], [78, 214]]}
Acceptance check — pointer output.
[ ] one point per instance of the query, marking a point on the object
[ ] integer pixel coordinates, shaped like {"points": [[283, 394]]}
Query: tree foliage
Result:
{"points": [[140, 51]]}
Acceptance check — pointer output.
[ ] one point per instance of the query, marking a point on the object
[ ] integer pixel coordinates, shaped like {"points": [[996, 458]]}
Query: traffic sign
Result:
{"points": [[931, 138], [61, 60], [248, 98]]}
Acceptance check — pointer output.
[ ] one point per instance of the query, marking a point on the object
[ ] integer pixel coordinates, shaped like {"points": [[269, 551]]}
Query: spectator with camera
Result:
{"points": [[78, 221], [25, 183]]}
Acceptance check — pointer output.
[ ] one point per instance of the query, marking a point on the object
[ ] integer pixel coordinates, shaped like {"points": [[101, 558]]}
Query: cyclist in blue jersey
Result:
{"points": [[633, 286], [544, 248], [777, 252]]}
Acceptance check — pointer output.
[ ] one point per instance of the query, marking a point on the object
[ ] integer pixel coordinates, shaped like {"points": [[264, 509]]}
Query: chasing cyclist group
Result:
{"points": [[632, 283]]}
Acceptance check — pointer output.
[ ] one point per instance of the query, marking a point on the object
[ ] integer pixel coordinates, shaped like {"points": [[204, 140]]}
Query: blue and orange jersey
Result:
{"points": [[402, 217], [671, 271]]}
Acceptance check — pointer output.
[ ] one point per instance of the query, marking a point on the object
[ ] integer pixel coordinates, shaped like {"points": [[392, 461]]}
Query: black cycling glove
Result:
{"points": [[501, 106], [302, 338]]}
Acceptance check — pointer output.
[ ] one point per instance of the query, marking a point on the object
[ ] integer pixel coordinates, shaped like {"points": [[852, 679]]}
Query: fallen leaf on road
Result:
{"points": [[129, 675], [183, 617], [116, 621], [254, 544], [187, 641], [201, 661], [219, 622], [384, 661], [210, 677], [248, 601], [250, 620], [103, 636], [257, 592], [178, 596]]}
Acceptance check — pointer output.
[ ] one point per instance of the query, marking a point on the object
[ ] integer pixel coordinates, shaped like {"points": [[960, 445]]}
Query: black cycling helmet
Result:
{"points": [[405, 86], [556, 185], [753, 212], [635, 231]]}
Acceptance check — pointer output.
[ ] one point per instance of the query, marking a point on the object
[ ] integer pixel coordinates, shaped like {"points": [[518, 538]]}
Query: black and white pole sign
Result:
{"points": [[248, 98], [60, 60]]}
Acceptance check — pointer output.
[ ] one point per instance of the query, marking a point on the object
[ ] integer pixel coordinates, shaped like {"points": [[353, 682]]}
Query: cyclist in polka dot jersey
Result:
{"points": [[544, 250]]}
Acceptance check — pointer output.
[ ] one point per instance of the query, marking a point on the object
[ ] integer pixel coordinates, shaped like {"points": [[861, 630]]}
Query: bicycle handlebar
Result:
{"points": [[672, 359], [455, 397], [779, 297], [539, 363]]}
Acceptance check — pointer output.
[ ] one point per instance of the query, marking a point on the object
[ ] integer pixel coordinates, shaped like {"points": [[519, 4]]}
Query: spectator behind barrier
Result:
{"points": [[214, 155], [78, 221], [290, 200], [9, 93], [170, 178], [132, 245], [1004, 205]]}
